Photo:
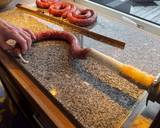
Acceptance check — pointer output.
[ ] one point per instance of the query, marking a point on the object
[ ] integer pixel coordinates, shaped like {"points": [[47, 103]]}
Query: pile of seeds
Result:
{"points": [[92, 93]]}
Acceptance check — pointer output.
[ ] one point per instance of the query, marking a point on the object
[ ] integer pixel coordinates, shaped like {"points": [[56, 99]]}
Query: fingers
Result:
{"points": [[21, 41], [23, 37], [31, 34], [27, 37]]}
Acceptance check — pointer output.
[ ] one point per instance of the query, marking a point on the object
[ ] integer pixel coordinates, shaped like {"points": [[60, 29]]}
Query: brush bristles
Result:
{"points": [[138, 76]]}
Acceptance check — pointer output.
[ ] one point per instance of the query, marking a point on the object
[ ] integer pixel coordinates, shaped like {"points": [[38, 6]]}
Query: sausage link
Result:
{"points": [[72, 9], [82, 14], [75, 49], [82, 18], [61, 9], [45, 4], [79, 17]]}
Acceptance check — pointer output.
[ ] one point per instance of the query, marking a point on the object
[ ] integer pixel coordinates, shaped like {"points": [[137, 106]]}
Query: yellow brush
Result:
{"points": [[143, 78]]}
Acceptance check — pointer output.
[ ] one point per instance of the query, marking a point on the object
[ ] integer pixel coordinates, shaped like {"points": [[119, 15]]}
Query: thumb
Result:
{"points": [[5, 46]]}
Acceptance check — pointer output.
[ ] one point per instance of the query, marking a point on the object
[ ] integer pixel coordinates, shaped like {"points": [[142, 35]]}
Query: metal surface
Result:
{"points": [[156, 122], [154, 91]]}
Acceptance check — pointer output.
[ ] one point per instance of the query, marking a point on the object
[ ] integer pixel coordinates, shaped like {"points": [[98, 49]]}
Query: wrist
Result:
{"points": [[1, 26]]}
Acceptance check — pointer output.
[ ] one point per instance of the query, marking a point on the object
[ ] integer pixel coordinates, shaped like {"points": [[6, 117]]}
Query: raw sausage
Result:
{"points": [[82, 14], [45, 4], [82, 18], [79, 17], [75, 50], [73, 8], [61, 9]]}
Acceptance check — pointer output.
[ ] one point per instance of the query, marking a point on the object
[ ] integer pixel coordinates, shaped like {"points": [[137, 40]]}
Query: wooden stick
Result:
{"points": [[107, 60], [143, 78]]}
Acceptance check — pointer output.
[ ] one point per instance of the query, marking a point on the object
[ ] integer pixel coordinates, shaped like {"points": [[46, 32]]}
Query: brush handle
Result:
{"points": [[144, 79], [107, 60]]}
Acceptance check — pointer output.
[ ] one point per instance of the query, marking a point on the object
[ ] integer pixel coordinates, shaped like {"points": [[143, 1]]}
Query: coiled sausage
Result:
{"points": [[61, 9], [82, 18], [79, 17], [45, 4]]}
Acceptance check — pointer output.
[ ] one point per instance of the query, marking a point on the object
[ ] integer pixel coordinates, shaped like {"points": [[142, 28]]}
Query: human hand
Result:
{"points": [[23, 37]]}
